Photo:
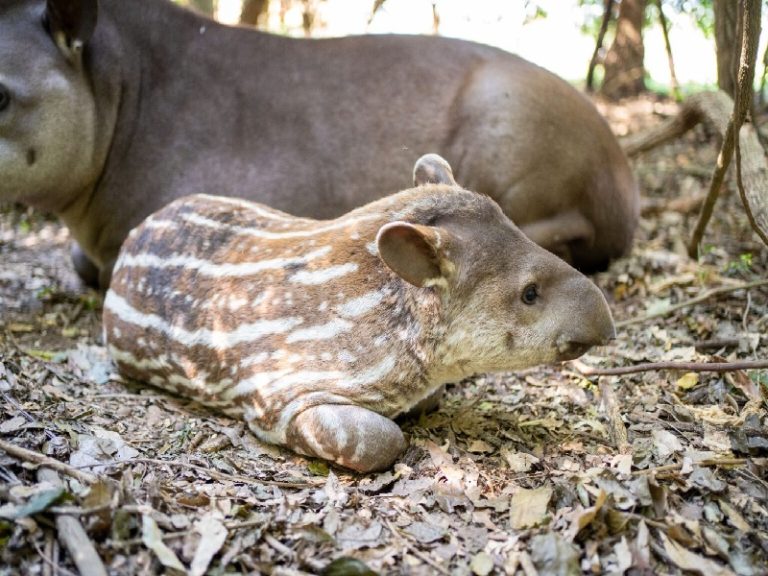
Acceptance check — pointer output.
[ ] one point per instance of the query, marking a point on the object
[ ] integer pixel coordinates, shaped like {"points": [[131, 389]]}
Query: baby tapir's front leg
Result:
{"points": [[351, 436]]}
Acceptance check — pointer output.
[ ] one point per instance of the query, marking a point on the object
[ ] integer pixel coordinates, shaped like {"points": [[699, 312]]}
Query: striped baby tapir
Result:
{"points": [[319, 333]]}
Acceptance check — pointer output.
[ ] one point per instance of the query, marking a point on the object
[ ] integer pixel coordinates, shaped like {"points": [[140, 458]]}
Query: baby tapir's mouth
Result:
{"points": [[571, 350]]}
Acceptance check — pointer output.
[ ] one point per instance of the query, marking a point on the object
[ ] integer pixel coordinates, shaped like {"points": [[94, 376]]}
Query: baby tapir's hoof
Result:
{"points": [[350, 436]]}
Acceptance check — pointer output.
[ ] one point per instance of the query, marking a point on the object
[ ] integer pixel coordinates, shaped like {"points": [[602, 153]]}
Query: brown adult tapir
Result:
{"points": [[110, 109]]}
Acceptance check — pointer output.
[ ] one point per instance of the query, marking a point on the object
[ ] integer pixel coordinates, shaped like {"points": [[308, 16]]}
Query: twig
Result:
{"points": [[49, 564], [279, 546], [77, 511], [709, 463], [74, 537], [693, 301], [181, 534], [686, 366], [42, 460], [215, 474], [413, 550], [49, 555], [618, 430]]}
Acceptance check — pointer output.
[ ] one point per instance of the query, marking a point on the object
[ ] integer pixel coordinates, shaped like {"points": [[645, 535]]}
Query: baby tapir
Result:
{"points": [[319, 333]]}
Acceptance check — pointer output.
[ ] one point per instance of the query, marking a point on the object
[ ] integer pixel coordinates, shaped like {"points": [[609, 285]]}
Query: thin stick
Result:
{"points": [[42, 460], [50, 564], [675, 85], [685, 366], [221, 475], [396, 533], [709, 463], [77, 511], [74, 538], [693, 301]]}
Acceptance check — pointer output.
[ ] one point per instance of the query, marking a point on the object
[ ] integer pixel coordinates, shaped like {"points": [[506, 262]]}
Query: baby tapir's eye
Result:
{"points": [[5, 97], [530, 294]]}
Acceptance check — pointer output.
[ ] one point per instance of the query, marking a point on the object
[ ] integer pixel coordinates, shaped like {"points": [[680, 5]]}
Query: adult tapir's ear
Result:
{"points": [[415, 253], [432, 169], [71, 24]]}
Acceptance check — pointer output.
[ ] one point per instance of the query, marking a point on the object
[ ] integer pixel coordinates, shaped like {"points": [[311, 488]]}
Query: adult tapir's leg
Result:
{"points": [[85, 268], [351, 436]]}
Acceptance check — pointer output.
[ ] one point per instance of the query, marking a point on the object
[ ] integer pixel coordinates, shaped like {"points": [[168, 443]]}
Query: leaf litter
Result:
{"points": [[539, 472]]}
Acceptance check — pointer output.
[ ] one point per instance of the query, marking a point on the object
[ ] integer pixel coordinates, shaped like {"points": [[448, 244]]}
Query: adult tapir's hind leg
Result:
{"points": [[348, 435], [85, 268]]}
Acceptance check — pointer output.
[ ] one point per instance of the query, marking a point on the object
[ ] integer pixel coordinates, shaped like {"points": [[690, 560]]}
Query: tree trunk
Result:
{"points": [[726, 18], [624, 69], [252, 11]]}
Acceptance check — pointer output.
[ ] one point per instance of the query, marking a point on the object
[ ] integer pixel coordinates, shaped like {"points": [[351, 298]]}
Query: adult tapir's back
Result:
{"points": [[169, 104]]}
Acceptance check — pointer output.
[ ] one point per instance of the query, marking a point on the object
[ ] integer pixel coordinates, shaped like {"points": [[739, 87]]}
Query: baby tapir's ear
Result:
{"points": [[413, 252], [71, 24], [432, 169]]}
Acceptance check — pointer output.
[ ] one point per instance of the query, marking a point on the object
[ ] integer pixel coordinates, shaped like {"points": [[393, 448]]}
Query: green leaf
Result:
{"points": [[38, 503]]}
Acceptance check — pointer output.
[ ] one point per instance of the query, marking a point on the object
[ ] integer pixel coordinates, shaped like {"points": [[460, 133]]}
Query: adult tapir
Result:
{"points": [[110, 109]]}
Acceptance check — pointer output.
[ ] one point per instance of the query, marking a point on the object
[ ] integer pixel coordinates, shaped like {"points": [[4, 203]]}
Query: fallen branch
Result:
{"points": [[74, 538], [586, 370], [693, 301], [42, 460]]}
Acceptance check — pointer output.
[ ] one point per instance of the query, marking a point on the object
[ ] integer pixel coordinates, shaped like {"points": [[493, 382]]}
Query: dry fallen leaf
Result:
{"points": [[582, 518], [482, 564], [153, 539], [665, 444], [687, 381], [213, 534], [687, 560], [529, 507]]}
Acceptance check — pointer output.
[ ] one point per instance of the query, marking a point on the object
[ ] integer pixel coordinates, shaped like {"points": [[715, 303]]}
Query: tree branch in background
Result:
{"points": [[712, 108], [762, 79], [435, 19], [754, 193], [377, 4], [607, 17], [751, 169], [715, 184], [665, 30]]}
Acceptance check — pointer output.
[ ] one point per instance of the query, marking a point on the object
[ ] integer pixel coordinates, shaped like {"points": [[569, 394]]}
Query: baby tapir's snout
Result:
{"points": [[319, 333], [588, 320]]}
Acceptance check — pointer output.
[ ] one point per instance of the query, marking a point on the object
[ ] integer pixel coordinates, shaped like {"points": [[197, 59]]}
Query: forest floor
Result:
{"points": [[543, 471]]}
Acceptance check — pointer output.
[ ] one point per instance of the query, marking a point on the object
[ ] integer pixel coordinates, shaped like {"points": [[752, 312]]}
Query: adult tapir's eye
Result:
{"points": [[5, 98], [530, 294]]}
